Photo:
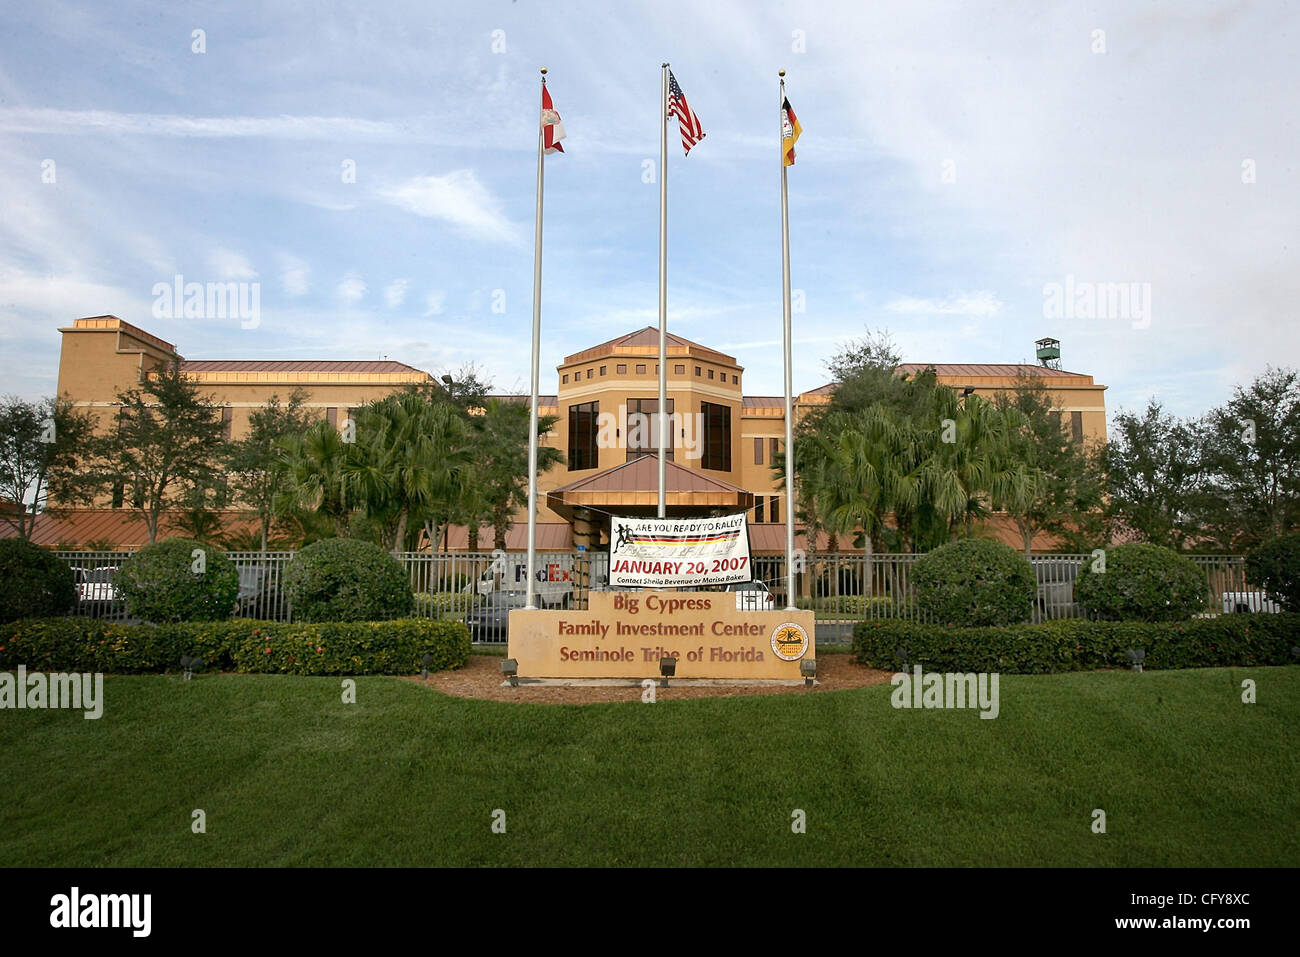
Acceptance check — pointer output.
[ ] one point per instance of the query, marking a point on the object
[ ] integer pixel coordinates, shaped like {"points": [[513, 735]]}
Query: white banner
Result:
{"points": [[678, 552]]}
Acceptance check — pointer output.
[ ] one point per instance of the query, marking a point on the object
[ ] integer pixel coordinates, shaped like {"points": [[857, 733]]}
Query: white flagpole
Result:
{"points": [[537, 345], [789, 382], [663, 283]]}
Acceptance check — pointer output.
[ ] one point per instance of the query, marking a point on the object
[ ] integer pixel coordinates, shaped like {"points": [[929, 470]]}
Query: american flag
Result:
{"points": [[686, 120]]}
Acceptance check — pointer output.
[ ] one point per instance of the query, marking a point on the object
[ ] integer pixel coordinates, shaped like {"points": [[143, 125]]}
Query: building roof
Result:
{"points": [[202, 367], [123, 527], [114, 324], [646, 342], [975, 370]]}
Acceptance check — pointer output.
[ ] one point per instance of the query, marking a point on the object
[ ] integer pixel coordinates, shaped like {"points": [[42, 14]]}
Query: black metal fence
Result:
{"points": [[840, 588]]}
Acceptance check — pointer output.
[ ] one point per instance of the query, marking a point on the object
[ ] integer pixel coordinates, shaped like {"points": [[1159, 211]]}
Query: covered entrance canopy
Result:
{"points": [[633, 489]]}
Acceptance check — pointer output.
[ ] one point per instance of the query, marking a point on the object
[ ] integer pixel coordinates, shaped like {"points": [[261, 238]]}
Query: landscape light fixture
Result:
{"points": [[808, 668], [968, 390], [1136, 655], [510, 668], [424, 665], [190, 665], [667, 669]]}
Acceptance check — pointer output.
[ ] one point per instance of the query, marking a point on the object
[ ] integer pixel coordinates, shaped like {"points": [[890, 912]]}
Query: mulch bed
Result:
{"points": [[481, 678]]}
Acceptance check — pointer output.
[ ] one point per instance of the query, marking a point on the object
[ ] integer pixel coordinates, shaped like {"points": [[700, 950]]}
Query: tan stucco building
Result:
{"points": [[723, 443]]}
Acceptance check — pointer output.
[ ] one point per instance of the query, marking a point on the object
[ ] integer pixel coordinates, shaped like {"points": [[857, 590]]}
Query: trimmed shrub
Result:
{"points": [[1275, 567], [1080, 645], [253, 647], [36, 583], [974, 581], [160, 584], [342, 579], [440, 604], [1142, 582]]}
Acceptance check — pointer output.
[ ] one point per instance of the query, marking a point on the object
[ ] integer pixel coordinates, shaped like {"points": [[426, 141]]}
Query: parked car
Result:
{"points": [[489, 618], [752, 596], [1056, 578], [1244, 602], [97, 585]]}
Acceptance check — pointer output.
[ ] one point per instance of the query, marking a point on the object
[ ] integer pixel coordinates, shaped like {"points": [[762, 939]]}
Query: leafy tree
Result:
{"points": [[1154, 472], [165, 446], [315, 492], [498, 470], [1068, 485], [1251, 457], [256, 463], [407, 461], [39, 446]]}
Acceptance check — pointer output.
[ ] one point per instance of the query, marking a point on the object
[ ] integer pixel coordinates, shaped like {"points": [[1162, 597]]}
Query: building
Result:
{"points": [[722, 443]]}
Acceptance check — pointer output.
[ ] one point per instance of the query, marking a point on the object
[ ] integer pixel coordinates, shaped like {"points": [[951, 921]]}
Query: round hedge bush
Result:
{"points": [[1142, 582], [1275, 567], [160, 584], [36, 583], [973, 581], [343, 579]]}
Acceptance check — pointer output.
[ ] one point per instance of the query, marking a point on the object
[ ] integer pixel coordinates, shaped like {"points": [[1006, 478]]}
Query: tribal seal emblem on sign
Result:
{"points": [[789, 641]]}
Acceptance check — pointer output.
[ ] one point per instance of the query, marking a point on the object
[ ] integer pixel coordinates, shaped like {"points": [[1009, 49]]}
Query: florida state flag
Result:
{"points": [[552, 125]]}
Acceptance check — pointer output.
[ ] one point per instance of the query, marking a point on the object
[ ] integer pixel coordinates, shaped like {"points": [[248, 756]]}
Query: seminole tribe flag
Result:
{"points": [[679, 552], [790, 130], [551, 124]]}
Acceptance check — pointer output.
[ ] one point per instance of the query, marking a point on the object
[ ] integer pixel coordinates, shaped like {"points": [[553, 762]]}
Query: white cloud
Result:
{"points": [[982, 305], [294, 276], [22, 120], [433, 303], [459, 199], [352, 288], [228, 264], [395, 293]]}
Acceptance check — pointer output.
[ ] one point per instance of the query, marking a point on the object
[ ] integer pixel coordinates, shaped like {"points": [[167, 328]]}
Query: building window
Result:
{"points": [[717, 437], [640, 369], [332, 417], [774, 512], [758, 451], [643, 428], [590, 373], [564, 379], [1076, 427], [227, 417], [710, 373], [774, 448], [679, 370], [582, 436], [119, 494], [735, 379], [697, 372], [602, 369], [621, 368], [758, 509]]}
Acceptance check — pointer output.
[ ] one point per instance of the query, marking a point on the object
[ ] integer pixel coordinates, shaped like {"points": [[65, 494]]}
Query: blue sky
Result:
{"points": [[956, 157]]}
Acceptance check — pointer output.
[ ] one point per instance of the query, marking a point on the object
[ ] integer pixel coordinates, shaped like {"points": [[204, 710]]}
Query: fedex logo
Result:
{"points": [[551, 572]]}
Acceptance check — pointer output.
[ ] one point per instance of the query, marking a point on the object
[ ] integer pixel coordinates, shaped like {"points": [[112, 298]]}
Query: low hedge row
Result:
{"points": [[251, 647], [1080, 645], [440, 603]]}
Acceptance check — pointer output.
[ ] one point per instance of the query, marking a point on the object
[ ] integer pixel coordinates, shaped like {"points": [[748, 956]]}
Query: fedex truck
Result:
{"points": [[556, 579]]}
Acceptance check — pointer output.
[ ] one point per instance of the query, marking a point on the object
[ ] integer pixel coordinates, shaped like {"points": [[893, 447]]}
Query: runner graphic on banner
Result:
{"points": [[679, 553]]}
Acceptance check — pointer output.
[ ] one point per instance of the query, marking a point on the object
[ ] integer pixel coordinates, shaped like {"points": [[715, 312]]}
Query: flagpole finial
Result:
{"points": [[778, 73], [543, 71], [663, 64]]}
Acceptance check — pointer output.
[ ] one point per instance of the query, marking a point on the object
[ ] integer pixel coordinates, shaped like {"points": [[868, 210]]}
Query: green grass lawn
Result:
{"points": [[289, 775]]}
